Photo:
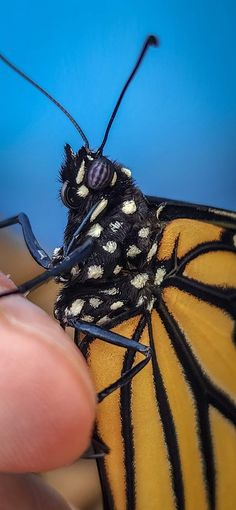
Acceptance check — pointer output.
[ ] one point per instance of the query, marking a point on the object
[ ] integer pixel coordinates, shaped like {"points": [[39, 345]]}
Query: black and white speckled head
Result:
{"points": [[87, 178]]}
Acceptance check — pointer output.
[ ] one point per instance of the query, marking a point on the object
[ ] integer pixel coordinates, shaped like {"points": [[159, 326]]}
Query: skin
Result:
{"points": [[47, 403]]}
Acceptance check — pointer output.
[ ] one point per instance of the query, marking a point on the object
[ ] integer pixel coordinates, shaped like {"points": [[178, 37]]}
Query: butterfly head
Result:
{"points": [[89, 177]]}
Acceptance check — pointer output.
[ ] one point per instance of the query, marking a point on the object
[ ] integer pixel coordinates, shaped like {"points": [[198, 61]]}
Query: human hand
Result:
{"points": [[47, 403]]}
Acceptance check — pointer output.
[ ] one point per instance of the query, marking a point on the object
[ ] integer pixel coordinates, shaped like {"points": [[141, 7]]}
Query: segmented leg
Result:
{"points": [[77, 256], [38, 254], [120, 341], [101, 449]]}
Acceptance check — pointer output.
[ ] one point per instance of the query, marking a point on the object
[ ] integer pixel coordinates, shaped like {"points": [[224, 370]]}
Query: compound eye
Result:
{"points": [[69, 196], [99, 174]]}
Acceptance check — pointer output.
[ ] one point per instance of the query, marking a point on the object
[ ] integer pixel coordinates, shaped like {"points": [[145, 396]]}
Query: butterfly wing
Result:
{"points": [[171, 430]]}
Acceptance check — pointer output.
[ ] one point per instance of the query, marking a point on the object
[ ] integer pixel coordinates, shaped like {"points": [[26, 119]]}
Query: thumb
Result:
{"points": [[47, 399]]}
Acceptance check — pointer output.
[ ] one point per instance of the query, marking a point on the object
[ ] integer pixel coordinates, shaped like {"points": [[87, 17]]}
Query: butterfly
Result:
{"points": [[149, 285]]}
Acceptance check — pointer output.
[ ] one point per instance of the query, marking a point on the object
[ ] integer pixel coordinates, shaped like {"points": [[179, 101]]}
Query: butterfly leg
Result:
{"points": [[39, 255], [120, 341], [100, 450], [77, 256]]}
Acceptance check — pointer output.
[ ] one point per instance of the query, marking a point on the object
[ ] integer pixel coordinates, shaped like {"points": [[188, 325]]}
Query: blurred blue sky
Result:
{"points": [[175, 128]]}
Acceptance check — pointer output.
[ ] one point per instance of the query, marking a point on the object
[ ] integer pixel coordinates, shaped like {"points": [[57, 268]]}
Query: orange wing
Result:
{"points": [[171, 430]]}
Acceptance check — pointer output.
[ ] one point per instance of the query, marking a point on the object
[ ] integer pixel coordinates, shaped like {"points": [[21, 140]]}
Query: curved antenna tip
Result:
{"points": [[153, 40]]}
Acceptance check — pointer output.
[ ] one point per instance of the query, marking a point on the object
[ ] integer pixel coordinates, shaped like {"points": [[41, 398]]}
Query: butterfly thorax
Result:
{"points": [[120, 272]]}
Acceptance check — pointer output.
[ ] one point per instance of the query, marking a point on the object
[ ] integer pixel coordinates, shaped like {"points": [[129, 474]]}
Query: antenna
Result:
{"points": [[32, 82], [150, 41]]}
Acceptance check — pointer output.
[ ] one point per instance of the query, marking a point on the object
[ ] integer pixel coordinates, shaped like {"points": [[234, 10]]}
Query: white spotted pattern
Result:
{"points": [[75, 308], [129, 207], [140, 301], [99, 209], [160, 209], [56, 252], [152, 252], [75, 270], [95, 272], [140, 280], [95, 302], [160, 273], [103, 320], [115, 226], [81, 172], [87, 318], [150, 304], [117, 269], [83, 191], [116, 305], [95, 230], [114, 179], [110, 246], [133, 251], [90, 157], [111, 292], [143, 232], [126, 171]]}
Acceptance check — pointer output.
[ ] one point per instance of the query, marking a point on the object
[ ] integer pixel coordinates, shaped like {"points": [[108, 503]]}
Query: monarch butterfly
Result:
{"points": [[157, 278]]}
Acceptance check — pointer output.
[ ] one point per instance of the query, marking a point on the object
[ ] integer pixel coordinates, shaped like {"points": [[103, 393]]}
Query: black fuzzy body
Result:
{"points": [[102, 287]]}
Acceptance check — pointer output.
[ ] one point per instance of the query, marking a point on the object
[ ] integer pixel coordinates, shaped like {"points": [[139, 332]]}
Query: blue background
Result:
{"points": [[176, 126]]}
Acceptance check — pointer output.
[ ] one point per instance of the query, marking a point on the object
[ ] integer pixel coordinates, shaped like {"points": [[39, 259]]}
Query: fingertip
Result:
{"points": [[47, 397]]}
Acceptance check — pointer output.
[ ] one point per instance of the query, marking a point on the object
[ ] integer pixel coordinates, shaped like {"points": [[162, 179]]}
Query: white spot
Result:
{"points": [[114, 179], [150, 304], [103, 320], [87, 318], [95, 302], [81, 172], [95, 230], [117, 269], [75, 308], [116, 305], [140, 301], [133, 251], [129, 207], [56, 252], [126, 171], [62, 279], [111, 292], [152, 252], [160, 209], [90, 157], [82, 191], [160, 273], [95, 272], [99, 209], [59, 298], [110, 246], [115, 226], [234, 240], [143, 232], [140, 280], [75, 270]]}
